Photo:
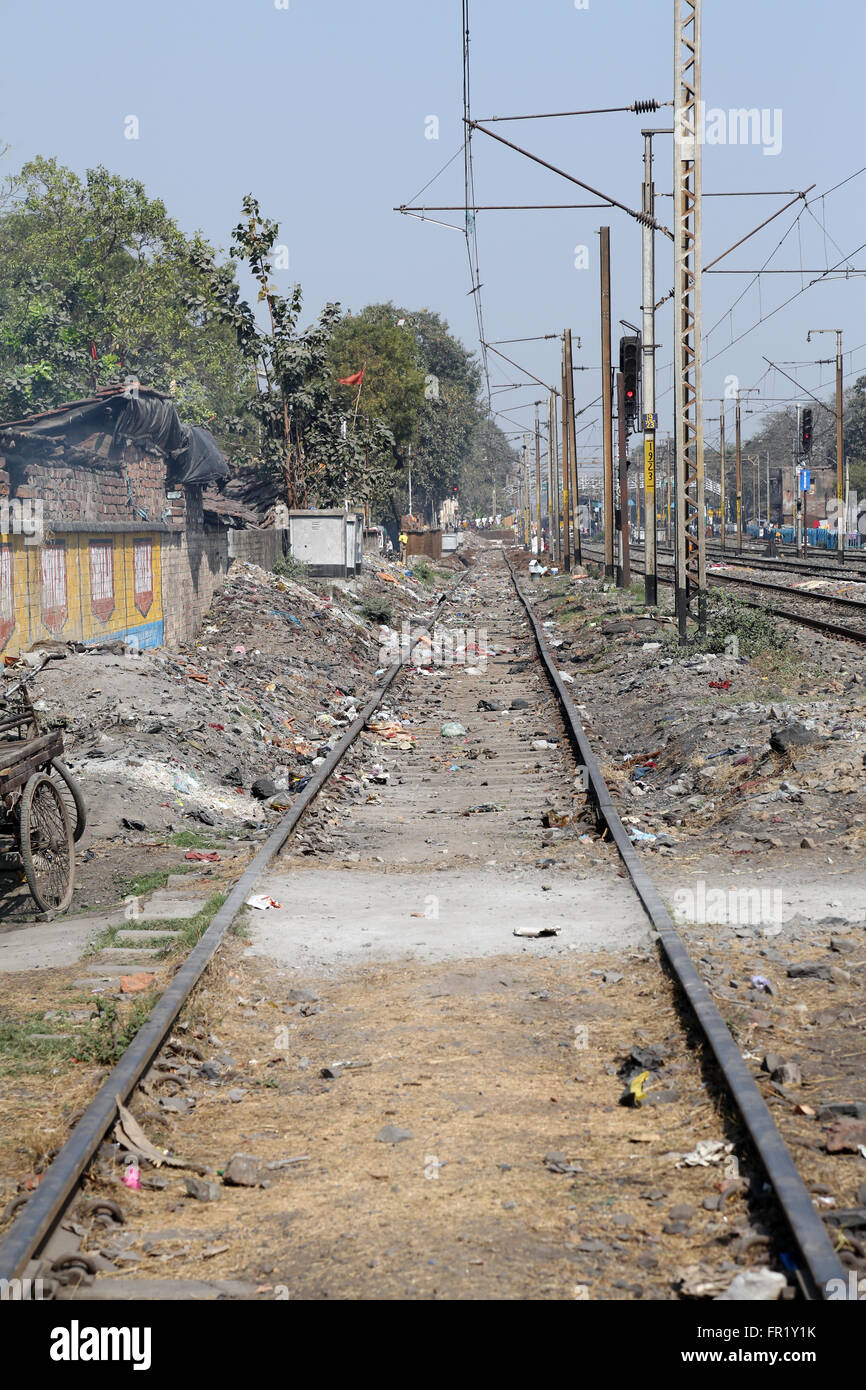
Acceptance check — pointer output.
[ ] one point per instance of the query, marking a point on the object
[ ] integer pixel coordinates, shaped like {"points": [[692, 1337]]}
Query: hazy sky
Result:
{"points": [[322, 110]]}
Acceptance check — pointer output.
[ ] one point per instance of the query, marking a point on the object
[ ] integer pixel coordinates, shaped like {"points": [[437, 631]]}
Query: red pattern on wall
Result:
{"points": [[7, 595], [142, 568], [55, 605], [102, 579]]}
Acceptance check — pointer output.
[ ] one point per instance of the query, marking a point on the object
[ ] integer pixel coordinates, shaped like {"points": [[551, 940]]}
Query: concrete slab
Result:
{"points": [[40, 945], [108, 969], [125, 953], [168, 906], [333, 918], [144, 938]]}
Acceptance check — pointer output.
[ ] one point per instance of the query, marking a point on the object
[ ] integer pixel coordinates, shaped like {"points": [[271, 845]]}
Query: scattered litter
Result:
{"points": [[395, 733], [636, 1090], [706, 1154], [131, 1176], [451, 729], [202, 856], [536, 931], [262, 902], [702, 1281], [754, 1286], [761, 982], [135, 984], [131, 1137]]}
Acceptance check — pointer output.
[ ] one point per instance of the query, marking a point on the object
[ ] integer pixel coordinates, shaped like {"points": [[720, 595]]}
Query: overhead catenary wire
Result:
{"points": [[639, 108]]}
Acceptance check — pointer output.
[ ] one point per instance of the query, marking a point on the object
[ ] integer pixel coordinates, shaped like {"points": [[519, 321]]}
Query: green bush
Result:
{"points": [[753, 630], [423, 572], [287, 567], [377, 610], [109, 1034]]}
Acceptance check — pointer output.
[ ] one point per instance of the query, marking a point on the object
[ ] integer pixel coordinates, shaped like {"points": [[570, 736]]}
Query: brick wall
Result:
{"points": [[113, 493], [148, 587], [102, 489], [194, 567]]}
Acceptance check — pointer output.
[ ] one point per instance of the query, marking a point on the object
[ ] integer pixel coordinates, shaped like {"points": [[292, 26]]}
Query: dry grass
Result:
{"points": [[484, 1071]]}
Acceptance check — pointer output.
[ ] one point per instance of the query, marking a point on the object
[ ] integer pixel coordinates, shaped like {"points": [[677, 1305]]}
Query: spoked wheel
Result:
{"points": [[47, 851], [72, 796]]}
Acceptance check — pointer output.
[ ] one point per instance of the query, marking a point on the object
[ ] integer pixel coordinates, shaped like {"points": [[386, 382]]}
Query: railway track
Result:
{"points": [[809, 610], [540, 737], [852, 570], [816, 562]]}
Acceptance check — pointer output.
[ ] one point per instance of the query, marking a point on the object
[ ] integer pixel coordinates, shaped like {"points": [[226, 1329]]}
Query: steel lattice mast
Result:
{"points": [[691, 567]]}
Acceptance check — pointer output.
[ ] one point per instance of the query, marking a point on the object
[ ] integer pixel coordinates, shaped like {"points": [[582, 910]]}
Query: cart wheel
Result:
{"points": [[47, 851], [72, 795]]}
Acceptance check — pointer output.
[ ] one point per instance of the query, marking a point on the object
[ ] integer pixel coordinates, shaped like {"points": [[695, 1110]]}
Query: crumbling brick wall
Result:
{"points": [[129, 486], [194, 566]]}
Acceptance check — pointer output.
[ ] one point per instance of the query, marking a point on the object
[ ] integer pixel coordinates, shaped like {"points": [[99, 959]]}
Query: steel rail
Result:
{"points": [[838, 599], [821, 1263], [44, 1209], [845, 634], [852, 570]]}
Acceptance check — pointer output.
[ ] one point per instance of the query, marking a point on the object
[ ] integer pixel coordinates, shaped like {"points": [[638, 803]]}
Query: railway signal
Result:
{"points": [[806, 430], [629, 365]]}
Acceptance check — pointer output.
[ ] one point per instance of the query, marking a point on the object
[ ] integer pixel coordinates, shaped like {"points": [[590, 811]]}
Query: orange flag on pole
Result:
{"points": [[352, 380]]}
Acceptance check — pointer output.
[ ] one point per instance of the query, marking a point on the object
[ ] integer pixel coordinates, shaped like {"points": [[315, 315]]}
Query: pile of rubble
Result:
{"points": [[742, 754], [228, 729]]}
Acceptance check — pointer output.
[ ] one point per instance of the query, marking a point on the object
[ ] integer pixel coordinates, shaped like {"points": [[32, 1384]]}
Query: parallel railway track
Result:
{"points": [[809, 609]]}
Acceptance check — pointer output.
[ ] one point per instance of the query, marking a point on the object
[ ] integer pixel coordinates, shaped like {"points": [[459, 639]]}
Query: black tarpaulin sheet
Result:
{"points": [[202, 461], [146, 419]]}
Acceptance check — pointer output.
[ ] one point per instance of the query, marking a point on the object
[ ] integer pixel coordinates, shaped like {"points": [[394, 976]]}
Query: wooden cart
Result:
{"points": [[41, 806]]}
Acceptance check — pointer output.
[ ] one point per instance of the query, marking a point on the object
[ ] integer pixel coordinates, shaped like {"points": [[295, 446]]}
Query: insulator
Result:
{"points": [[641, 107]]}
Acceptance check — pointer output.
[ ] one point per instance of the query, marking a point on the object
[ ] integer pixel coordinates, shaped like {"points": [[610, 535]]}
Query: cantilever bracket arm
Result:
{"points": [[644, 218]]}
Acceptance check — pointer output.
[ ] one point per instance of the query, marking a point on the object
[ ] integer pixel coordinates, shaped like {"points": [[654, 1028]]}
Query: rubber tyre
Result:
{"points": [[46, 844], [77, 797]]}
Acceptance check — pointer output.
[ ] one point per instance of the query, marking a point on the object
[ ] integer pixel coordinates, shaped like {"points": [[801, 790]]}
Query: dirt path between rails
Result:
{"points": [[469, 1142]]}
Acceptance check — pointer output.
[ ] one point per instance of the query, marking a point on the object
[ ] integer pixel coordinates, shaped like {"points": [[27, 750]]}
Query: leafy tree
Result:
{"points": [[448, 428], [489, 466], [94, 282], [393, 385], [300, 424], [854, 427]]}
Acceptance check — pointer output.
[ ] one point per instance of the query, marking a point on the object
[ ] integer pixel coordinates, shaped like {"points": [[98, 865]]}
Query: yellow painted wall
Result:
{"points": [[81, 623]]}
